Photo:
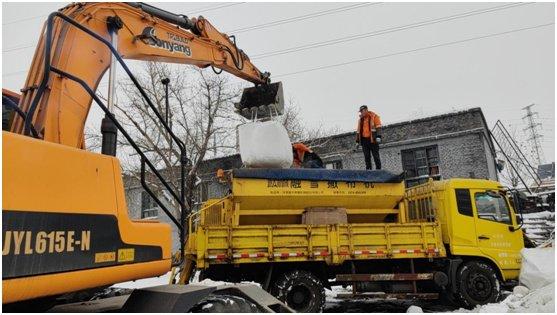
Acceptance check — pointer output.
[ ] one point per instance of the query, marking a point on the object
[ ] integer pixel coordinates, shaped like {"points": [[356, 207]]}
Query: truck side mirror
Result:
{"points": [[521, 195], [519, 198]]}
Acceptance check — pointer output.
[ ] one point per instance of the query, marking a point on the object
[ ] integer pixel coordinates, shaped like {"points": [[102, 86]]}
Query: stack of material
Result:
{"points": [[324, 215], [539, 226]]}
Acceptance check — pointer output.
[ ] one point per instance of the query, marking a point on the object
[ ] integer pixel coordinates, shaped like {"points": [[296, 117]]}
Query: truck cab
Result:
{"points": [[477, 220]]}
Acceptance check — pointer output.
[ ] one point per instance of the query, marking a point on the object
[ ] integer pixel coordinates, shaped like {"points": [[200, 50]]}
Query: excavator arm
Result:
{"points": [[57, 107]]}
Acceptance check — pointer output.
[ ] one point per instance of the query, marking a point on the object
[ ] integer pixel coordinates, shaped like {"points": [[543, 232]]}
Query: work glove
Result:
{"points": [[378, 139], [358, 140]]}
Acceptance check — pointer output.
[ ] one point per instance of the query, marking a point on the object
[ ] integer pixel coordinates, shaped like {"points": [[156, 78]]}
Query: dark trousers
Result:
{"points": [[370, 149]]}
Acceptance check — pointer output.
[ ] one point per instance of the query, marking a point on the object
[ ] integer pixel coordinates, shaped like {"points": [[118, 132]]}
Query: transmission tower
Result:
{"points": [[535, 137], [516, 168]]}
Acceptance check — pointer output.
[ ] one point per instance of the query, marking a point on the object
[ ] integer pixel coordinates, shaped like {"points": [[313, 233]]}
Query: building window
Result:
{"points": [[202, 192], [149, 208], [333, 165], [420, 164]]}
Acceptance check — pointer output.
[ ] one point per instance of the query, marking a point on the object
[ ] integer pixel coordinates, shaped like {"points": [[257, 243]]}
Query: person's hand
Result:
{"points": [[378, 139], [357, 140]]}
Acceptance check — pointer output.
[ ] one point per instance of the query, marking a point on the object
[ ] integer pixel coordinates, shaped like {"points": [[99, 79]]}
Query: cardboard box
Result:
{"points": [[324, 215]]}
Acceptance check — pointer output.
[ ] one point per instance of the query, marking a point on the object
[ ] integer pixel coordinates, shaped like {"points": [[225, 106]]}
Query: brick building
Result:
{"points": [[443, 146]]}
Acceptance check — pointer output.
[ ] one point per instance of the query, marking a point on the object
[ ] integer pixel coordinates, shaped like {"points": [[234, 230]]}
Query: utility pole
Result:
{"points": [[535, 136]]}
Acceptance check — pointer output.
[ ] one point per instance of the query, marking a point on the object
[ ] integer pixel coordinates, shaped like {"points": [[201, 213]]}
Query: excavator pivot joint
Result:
{"points": [[114, 23]]}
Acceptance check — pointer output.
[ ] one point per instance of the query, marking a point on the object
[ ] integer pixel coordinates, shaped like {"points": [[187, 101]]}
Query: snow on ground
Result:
{"points": [[165, 279], [541, 300], [414, 309], [371, 305], [210, 282], [538, 272]]}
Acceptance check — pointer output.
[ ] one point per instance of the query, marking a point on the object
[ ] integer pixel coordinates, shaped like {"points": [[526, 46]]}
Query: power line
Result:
{"points": [[44, 15], [24, 19], [216, 7], [210, 8], [386, 55], [9, 74], [413, 50], [385, 31], [357, 36], [300, 17], [18, 48]]}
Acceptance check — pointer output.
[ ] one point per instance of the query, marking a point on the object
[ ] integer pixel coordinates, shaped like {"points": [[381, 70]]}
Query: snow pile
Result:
{"points": [[265, 145], [414, 309], [538, 267]]}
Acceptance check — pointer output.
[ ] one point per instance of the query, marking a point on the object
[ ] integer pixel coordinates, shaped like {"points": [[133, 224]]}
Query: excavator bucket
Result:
{"points": [[261, 101]]}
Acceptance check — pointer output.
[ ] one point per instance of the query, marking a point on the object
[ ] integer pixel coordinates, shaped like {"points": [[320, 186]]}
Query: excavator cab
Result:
{"points": [[261, 101]]}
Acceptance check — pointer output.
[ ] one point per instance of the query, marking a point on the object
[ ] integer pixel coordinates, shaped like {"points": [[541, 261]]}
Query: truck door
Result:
{"points": [[493, 217]]}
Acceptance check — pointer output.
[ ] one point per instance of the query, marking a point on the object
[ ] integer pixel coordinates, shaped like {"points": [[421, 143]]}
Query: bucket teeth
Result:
{"points": [[264, 100]]}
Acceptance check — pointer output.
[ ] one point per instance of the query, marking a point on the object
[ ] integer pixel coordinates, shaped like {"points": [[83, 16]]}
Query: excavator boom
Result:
{"points": [[57, 107]]}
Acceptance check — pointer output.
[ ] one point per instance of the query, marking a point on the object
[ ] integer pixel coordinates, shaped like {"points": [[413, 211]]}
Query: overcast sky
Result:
{"points": [[400, 77]]}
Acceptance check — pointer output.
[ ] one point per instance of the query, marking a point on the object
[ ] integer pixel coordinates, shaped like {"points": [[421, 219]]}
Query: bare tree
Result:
{"points": [[292, 121], [200, 113], [297, 129]]}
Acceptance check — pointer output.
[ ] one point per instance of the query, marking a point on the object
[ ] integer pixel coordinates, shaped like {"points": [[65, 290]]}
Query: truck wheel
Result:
{"points": [[477, 284], [224, 303], [300, 290]]}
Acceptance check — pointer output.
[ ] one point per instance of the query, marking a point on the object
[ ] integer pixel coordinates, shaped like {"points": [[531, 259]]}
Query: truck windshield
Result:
{"points": [[493, 208]]}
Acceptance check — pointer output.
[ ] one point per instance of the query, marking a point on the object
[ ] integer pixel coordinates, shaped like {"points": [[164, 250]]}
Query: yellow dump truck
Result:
{"points": [[298, 231]]}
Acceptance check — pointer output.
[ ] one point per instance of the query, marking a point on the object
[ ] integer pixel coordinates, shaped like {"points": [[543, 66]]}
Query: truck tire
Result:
{"points": [[477, 284], [224, 303], [300, 290]]}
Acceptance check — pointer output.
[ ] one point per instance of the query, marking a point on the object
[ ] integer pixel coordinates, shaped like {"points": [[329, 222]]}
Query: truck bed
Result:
{"points": [[332, 244]]}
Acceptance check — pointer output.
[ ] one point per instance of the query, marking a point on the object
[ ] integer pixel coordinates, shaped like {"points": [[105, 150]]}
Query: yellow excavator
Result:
{"points": [[65, 222]]}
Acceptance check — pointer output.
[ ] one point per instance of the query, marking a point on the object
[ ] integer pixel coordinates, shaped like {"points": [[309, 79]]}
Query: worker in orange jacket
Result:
{"points": [[304, 157], [368, 135]]}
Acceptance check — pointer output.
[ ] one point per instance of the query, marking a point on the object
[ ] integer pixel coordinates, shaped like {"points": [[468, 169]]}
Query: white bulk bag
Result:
{"points": [[538, 267], [265, 145]]}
